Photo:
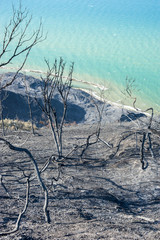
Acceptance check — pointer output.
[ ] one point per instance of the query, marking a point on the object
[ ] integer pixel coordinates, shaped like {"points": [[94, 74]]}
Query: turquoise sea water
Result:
{"points": [[107, 40]]}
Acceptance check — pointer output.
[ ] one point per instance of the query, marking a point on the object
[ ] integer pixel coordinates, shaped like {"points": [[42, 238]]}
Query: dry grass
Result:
{"points": [[17, 125]]}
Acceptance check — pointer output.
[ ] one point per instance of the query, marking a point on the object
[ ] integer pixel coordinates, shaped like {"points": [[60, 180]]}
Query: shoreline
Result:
{"points": [[121, 106], [65, 77], [89, 91], [82, 104]]}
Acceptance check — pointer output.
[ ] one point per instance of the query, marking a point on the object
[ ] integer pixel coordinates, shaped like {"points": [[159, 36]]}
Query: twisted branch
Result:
{"points": [[18, 149], [20, 214]]}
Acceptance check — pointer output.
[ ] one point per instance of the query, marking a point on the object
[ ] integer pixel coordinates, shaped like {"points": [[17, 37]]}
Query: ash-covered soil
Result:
{"points": [[96, 197]]}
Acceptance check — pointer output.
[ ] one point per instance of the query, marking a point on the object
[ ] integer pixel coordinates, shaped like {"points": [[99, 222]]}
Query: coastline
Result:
{"points": [[106, 58], [43, 72], [80, 104], [119, 105], [92, 90]]}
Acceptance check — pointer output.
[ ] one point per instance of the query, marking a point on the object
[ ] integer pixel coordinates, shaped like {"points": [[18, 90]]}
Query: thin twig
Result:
{"points": [[4, 187], [20, 214], [46, 213]]}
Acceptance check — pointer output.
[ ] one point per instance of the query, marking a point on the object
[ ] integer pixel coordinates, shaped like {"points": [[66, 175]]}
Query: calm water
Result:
{"points": [[107, 40]]}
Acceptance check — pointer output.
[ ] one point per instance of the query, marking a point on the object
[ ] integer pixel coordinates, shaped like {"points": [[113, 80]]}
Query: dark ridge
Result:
{"points": [[131, 116]]}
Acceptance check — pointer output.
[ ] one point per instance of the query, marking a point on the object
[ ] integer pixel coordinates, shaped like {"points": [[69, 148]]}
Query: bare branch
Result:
{"points": [[46, 212], [123, 138], [18, 32], [4, 187], [29, 105], [54, 82], [144, 163], [20, 214], [106, 143], [150, 145]]}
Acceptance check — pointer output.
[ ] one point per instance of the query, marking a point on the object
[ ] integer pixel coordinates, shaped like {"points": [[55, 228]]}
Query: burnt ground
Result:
{"points": [[98, 197]]}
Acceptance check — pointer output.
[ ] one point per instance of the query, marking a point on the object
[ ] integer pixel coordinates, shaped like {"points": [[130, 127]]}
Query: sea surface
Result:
{"points": [[108, 40]]}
